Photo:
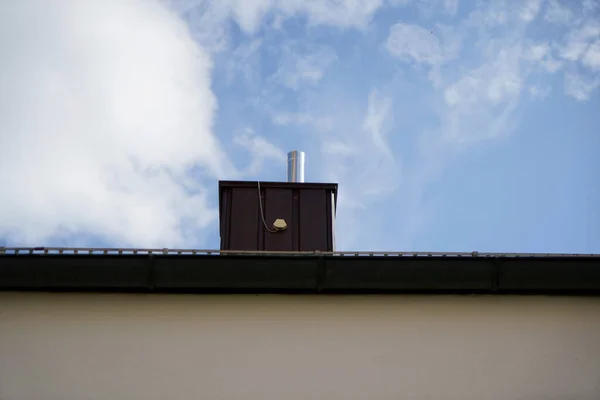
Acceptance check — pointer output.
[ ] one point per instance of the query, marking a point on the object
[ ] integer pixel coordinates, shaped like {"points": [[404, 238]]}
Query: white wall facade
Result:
{"points": [[298, 347]]}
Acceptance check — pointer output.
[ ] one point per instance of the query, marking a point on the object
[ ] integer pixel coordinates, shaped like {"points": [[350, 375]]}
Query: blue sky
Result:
{"points": [[449, 125]]}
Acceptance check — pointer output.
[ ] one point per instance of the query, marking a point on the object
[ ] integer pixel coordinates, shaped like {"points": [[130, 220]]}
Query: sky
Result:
{"points": [[449, 125]]}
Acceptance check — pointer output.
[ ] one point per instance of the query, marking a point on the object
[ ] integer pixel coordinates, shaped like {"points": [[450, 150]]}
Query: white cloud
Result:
{"points": [[398, 3], [579, 39], [338, 148], [250, 14], [410, 42], [481, 102], [377, 171], [551, 64], [490, 14], [492, 83], [378, 114], [558, 13], [541, 53], [322, 124], [530, 9], [245, 59], [537, 52], [451, 6], [580, 87], [500, 13], [358, 155], [303, 64], [591, 58], [260, 149], [106, 111], [480, 96], [105, 107], [209, 20], [539, 92], [429, 7]]}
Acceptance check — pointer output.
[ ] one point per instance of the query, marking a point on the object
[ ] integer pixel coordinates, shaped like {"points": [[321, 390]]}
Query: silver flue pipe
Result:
{"points": [[295, 166]]}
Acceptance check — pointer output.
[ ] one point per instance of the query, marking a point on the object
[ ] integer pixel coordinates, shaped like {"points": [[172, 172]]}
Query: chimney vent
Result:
{"points": [[295, 166], [277, 216]]}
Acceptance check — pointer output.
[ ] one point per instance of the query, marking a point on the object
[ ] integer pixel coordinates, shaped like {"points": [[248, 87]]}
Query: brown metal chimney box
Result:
{"points": [[307, 208]]}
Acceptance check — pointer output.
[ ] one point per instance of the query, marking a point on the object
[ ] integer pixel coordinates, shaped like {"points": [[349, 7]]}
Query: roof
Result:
{"points": [[333, 187], [209, 271]]}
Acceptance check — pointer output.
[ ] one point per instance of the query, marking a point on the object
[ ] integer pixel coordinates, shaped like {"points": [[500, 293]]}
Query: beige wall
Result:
{"points": [[92, 346]]}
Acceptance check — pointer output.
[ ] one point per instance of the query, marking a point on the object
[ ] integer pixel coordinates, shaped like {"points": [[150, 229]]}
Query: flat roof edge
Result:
{"points": [[272, 184], [301, 274]]}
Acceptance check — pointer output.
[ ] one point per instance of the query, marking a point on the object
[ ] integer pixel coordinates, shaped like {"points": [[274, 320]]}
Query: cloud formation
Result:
{"points": [[107, 114], [302, 65], [251, 14], [104, 109], [117, 117], [413, 42]]}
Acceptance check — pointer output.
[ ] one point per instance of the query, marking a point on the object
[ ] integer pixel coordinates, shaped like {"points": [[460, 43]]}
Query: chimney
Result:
{"points": [[278, 216], [295, 166]]}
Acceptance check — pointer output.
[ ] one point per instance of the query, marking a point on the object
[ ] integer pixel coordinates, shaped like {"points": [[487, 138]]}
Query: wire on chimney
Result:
{"points": [[262, 214]]}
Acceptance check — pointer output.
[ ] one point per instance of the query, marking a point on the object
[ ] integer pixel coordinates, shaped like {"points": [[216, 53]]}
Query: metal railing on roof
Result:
{"points": [[165, 251]]}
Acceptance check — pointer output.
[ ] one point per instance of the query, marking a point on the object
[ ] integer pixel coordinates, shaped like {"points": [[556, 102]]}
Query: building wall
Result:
{"points": [[111, 346]]}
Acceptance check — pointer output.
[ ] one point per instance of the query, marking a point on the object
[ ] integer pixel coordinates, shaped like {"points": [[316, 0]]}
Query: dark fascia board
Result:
{"points": [[333, 187], [270, 184], [300, 274]]}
